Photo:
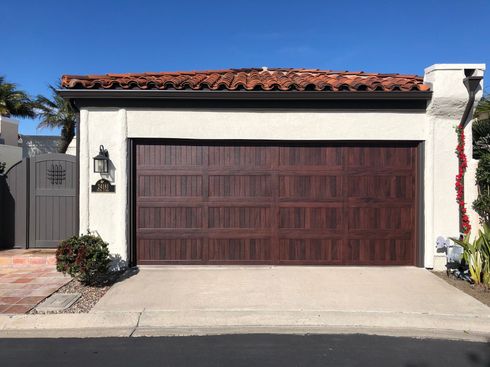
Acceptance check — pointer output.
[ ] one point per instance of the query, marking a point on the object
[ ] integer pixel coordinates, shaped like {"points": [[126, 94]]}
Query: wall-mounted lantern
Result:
{"points": [[101, 161]]}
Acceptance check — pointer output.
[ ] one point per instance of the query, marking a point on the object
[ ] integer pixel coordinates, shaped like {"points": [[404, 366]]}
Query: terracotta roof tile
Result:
{"points": [[251, 79]]}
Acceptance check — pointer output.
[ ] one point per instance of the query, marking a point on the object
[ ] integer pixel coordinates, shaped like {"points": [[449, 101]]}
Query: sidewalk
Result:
{"points": [[399, 301]]}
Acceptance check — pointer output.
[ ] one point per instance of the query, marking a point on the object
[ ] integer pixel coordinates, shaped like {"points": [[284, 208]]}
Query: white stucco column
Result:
{"points": [[441, 164], [105, 213]]}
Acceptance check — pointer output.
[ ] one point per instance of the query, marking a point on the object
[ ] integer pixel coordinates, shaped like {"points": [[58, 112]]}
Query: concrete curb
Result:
{"points": [[313, 318], [297, 330], [380, 323], [99, 324], [173, 323]]}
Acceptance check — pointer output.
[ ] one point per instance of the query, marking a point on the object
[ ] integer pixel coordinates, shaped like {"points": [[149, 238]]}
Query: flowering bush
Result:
{"points": [[84, 257], [463, 164]]}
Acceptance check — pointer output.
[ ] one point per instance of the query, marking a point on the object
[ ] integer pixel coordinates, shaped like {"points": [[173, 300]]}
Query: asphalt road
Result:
{"points": [[243, 350]]}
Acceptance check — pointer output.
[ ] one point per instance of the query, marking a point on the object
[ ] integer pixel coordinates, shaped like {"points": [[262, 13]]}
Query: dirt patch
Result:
{"points": [[480, 294], [90, 294]]}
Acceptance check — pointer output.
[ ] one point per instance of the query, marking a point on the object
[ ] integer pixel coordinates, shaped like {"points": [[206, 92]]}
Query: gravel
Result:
{"points": [[480, 293], [90, 294]]}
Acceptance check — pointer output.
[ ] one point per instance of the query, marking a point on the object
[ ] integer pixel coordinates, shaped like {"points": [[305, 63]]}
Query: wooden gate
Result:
{"points": [[40, 200]]}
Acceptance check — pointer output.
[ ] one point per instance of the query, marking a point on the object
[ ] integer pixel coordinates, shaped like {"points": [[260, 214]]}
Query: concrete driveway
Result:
{"points": [[279, 289]]}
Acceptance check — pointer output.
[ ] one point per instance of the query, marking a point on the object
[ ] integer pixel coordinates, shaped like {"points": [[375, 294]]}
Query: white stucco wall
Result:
{"points": [[9, 131], [10, 155], [106, 213], [277, 125], [72, 147]]}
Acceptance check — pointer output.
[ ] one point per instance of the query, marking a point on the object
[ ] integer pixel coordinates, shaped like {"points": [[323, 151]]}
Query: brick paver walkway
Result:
{"points": [[23, 283]]}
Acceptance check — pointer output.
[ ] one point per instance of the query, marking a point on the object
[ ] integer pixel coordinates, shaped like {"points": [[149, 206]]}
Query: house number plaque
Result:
{"points": [[103, 186]]}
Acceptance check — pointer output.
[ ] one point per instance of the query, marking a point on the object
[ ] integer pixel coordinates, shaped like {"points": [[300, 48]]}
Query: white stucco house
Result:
{"points": [[10, 151], [274, 166]]}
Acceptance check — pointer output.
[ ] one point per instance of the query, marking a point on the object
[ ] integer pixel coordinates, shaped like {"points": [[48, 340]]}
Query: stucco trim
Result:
{"points": [[267, 95], [420, 244]]}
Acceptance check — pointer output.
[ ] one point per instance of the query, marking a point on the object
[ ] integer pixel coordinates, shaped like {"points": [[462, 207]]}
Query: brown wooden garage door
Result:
{"points": [[257, 203]]}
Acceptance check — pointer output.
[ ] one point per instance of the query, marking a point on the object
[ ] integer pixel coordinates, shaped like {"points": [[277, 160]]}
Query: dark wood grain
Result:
{"points": [[284, 203]]}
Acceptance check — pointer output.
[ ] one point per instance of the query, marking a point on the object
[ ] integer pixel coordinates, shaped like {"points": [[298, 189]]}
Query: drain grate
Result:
{"points": [[58, 302]]}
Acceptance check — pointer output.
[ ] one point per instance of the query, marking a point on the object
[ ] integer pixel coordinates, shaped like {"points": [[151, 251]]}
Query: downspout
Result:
{"points": [[471, 82], [77, 152]]}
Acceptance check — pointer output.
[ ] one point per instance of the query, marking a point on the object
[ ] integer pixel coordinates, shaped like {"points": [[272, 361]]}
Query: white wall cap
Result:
{"points": [[9, 120], [454, 67]]}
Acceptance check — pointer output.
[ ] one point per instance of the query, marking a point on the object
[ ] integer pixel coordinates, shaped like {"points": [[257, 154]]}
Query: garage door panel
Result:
{"points": [[150, 155], [170, 217], [321, 203], [329, 158], [381, 187], [380, 218], [383, 157], [314, 250], [378, 252], [240, 186], [170, 185], [240, 249], [311, 218], [317, 187], [239, 217], [257, 157], [178, 249]]}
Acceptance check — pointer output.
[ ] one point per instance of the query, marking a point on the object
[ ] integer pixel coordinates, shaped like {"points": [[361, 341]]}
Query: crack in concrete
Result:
{"points": [[137, 323]]}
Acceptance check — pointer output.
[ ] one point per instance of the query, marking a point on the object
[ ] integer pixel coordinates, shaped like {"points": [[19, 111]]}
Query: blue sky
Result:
{"points": [[41, 40]]}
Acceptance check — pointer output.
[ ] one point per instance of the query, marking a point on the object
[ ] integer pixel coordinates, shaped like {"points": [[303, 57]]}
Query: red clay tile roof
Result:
{"points": [[261, 79]]}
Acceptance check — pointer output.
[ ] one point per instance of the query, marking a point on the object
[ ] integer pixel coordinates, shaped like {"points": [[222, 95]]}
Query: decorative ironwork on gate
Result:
{"points": [[56, 174]]}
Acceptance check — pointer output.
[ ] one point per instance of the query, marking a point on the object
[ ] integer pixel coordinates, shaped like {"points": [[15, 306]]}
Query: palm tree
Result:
{"points": [[56, 112], [14, 102]]}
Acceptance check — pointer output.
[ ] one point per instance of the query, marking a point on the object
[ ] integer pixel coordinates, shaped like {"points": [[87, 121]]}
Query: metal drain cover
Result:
{"points": [[58, 302]]}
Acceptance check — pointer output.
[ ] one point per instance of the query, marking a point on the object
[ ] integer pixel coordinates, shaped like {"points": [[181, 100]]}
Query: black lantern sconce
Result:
{"points": [[101, 161]]}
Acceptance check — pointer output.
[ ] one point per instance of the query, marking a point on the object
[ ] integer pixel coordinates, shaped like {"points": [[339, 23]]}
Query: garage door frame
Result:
{"points": [[131, 214]]}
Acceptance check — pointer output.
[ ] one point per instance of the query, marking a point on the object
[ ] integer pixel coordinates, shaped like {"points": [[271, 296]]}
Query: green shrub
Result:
{"points": [[85, 257], [482, 206], [482, 203], [483, 171], [481, 142]]}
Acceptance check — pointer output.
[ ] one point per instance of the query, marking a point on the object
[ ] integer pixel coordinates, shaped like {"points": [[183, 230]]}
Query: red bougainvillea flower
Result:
{"points": [[459, 186]]}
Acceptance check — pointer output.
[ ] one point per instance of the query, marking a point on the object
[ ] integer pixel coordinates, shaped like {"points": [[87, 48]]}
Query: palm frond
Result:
{"points": [[55, 112], [14, 102]]}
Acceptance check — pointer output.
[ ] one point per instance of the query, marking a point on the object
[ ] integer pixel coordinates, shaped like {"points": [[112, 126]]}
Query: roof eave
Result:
{"points": [[242, 95]]}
